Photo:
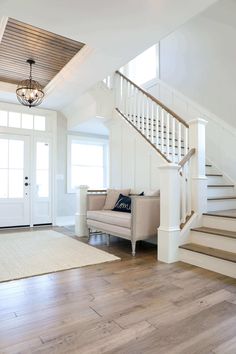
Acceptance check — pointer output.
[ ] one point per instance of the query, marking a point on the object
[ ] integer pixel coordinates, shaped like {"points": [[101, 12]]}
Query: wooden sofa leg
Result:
{"points": [[108, 240], [133, 243]]}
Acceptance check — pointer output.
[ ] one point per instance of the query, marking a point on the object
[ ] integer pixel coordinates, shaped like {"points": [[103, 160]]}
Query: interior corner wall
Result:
{"points": [[198, 60], [66, 202], [133, 162]]}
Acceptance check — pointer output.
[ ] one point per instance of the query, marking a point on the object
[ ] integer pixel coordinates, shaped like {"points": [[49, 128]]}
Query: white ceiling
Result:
{"points": [[114, 31]]}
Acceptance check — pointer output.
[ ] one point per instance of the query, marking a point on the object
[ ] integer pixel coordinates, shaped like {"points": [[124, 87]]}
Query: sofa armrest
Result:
{"points": [[145, 217], [95, 201]]}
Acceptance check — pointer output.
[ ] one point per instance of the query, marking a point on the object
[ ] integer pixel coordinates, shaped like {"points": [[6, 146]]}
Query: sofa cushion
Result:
{"points": [[112, 196], [111, 217]]}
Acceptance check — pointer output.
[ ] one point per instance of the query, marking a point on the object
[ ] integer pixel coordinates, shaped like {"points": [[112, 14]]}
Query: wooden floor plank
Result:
{"points": [[136, 306]]}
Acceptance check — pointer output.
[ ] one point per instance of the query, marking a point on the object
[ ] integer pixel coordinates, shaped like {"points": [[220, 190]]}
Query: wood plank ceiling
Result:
{"points": [[21, 41]]}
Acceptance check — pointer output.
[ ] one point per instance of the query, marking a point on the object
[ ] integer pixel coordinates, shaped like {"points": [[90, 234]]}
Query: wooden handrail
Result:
{"points": [[159, 151], [168, 110], [97, 190], [187, 157]]}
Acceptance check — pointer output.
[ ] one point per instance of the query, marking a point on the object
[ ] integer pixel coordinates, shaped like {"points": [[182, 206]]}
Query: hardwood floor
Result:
{"points": [[133, 306]]}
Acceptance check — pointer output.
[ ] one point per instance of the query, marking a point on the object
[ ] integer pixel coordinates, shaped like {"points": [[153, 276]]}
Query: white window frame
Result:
{"points": [[90, 141]]}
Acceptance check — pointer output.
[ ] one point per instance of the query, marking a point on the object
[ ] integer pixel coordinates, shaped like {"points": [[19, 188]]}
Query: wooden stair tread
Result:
{"points": [[222, 198], [230, 214], [213, 175], [212, 231], [220, 185], [208, 251]]}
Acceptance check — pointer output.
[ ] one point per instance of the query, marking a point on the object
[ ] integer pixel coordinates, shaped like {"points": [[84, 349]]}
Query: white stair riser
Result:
{"points": [[214, 264], [215, 180], [220, 191], [212, 170], [214, 241], [219, 222], [224, 204]]}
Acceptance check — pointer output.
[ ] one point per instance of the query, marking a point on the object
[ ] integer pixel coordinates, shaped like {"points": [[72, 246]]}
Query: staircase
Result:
{"points": [[213, 244]]}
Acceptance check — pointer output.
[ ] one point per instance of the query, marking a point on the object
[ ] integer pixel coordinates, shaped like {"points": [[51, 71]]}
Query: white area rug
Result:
{"points": [[25, 254]]}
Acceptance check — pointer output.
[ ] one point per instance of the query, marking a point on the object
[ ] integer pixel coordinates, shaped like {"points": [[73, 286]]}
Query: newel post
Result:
{"points": [[197, 140], [169, 229], [81, 228]]}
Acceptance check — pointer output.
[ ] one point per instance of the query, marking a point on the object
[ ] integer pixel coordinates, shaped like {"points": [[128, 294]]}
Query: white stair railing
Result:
{"points": [[162, 127]]}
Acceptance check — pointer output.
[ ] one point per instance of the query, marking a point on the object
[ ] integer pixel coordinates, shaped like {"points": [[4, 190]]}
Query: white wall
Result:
{"points": [[198, 78], [65, 201], [199, 60], [133, 162]]}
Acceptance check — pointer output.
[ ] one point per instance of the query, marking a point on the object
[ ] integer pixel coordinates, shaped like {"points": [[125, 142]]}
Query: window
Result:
{"points": [[42, 169], [144, 67], [22, 120], [87, 163]]}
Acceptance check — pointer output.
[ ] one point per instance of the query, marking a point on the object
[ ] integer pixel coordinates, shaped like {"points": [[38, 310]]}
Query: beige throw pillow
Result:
{"points": [[112, 196]]}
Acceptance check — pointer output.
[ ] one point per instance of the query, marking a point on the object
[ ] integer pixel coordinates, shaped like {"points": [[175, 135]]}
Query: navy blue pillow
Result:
{"points": [[123, 204]]}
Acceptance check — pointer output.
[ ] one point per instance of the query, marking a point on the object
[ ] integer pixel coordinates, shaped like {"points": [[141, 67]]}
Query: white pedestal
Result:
{"points": [[81, 228]]}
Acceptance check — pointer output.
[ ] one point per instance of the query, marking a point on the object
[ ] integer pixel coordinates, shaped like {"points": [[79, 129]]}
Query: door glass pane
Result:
{"points": [[4, 183], [42, 169], [42, 157], [39, 123], [16, 180], [27, 121], [3, 153], [42, 182], [14, 120], [3, 118], [16, 154]]}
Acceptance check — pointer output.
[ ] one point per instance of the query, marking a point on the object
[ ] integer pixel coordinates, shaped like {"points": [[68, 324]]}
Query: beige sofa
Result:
{"points": [[140, 224]]}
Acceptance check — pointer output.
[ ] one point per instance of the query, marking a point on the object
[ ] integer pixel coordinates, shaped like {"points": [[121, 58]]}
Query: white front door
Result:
{"points": [[14, 180]]}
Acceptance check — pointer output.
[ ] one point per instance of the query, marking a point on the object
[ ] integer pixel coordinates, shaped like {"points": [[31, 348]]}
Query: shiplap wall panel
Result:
{"points": [[133, 162], [128, 151], [22, 41]]}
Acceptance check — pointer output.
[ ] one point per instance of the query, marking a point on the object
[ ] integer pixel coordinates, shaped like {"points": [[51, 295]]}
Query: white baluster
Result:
{"points": [[179, 141], [138, 102], [168, 135], [127, 100], [143, 114], [147, 117], [157, 128], [152, 121], [134, 104], [162, 129], [186, 141], [173, 139], [123, 95]]}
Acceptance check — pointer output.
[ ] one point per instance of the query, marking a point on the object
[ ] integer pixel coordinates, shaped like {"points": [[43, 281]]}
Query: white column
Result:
{"points": [[197, 140], [169, 230], [81, 228]]}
